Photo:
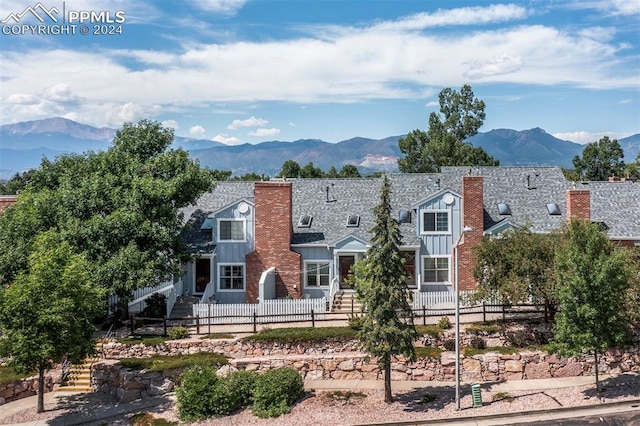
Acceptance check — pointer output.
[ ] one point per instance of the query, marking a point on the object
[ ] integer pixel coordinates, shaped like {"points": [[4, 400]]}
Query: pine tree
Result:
{"points": [[387, 328]]}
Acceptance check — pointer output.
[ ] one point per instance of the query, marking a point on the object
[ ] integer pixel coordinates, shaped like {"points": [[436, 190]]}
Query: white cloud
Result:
{"points": [[196, 131], [226, 139], [249, 122], [432, 104], [226, 7], [60, 92], [582, 137], [172, 124], [265, 132], [495, 66], [292, 124]]}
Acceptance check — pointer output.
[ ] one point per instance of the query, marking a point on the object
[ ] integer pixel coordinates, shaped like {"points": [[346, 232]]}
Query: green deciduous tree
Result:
{"points": [[600, 160], [387, 327], [443, 144], [310, 171], [119, 207], [47, 311], [593, 282], [349, 171], [290, 169], [516, 266]]}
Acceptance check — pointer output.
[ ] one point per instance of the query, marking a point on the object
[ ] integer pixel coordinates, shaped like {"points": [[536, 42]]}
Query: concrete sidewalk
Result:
{"points": [[96, 406]]}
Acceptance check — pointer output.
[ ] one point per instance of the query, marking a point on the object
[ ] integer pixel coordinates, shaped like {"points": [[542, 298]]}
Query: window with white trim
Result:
{"points": [[230, 230], [435, 270], [435, 221], [231, 277], [316, 274]]}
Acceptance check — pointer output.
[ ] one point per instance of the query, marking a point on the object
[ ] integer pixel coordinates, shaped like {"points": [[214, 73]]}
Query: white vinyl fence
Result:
{"points": [[444, 303], [268, 311]]}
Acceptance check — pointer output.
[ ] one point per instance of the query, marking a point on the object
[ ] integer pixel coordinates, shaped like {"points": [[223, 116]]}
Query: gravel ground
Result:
{"points": [[366, 407]]}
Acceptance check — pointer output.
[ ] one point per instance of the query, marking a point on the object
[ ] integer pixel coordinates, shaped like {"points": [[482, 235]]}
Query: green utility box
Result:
{"points": [[476, 395]]}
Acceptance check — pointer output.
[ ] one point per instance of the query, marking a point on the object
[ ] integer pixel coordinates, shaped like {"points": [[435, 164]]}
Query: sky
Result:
{"points": [[248, 71]]}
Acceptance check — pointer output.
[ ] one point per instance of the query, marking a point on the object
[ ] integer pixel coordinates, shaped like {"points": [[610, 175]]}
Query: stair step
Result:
{"points": [[66, 388]]}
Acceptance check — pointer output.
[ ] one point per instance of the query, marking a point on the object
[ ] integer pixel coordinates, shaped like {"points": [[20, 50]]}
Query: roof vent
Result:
{"points": [[553, 209], [330, 199], [504, 209], [353, 221], [305, 221], [404, 216], [438, 183]]}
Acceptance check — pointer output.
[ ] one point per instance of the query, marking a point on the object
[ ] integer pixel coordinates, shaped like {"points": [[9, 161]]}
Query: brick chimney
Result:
{"points": [[578, 204], [472, 216], [273, 231]]}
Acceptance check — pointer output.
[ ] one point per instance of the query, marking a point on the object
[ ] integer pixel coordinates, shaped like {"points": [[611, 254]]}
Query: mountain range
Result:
{"points": [[24, 144]]}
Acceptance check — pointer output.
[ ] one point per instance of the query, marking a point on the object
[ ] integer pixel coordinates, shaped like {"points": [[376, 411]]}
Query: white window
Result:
{"points": [[316, 274], [435, 270], [435, 222], [231, 277], [231, 230]]}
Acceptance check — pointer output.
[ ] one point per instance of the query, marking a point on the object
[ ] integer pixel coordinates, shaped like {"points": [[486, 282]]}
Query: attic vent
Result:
{"points": [[207, 225], [353, 221], [504, 209], [404, 216], [553, 209], [305, 221]]}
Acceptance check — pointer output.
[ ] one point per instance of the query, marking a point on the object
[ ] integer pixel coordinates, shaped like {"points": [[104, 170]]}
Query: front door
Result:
{"points": [[203, 274], [345, 263]]}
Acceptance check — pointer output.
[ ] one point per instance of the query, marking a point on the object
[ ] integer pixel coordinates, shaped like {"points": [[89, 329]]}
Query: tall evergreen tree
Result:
{"points": [[600, 160], [387, 328]]}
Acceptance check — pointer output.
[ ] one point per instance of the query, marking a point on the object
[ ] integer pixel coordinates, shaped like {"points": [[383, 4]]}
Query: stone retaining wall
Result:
{"points": [[25, 387], [340, 359]]}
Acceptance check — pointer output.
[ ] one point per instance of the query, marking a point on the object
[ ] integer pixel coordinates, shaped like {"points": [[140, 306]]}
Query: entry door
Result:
{"points": [[345, 263], [203, 274]]}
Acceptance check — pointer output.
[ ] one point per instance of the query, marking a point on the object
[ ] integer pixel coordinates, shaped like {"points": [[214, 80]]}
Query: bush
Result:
{"points": [[450, 344], [194, 393], [478, 343], [243, 382], [178, 332], [156, 306], [356, 321], [444, 323], [275, 391], [224, 398]]}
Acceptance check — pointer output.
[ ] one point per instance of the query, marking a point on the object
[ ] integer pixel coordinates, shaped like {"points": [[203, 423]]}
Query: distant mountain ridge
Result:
{"points": [[22, 146]]}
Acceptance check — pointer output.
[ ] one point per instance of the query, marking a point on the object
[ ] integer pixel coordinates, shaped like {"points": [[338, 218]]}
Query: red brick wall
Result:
{"points": [[6, 201], [273, 230], [578, 204], [472, 216]]}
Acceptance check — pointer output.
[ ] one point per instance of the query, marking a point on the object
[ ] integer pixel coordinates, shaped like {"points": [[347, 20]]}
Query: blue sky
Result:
{"points": [[247, 71]]}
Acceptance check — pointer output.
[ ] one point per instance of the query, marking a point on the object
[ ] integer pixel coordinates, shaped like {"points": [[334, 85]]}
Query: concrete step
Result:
{"points": [[67, 388]]}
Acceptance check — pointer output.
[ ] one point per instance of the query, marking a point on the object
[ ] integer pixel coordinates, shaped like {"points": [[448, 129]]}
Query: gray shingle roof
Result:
{"points": [[527, 190]]}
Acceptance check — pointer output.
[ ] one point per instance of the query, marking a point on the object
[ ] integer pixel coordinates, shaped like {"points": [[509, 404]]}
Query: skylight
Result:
{"points": [[553, 209], [504, 209], [353, 221], [305, 221]]}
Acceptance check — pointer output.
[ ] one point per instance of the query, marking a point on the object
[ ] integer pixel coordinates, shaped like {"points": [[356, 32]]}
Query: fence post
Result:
{"points": [[313, 320], [352, 304], [198, 324], [209, 319], [133, 323], [255, 320], [424, 315], [164, 325], [484, 311]]}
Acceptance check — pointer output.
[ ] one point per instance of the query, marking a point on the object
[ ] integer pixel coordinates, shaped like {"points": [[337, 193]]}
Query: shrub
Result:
{"points": [[275, 391], [243, 382], [356, 321], [444, 323], [178, 332], [450, 344], [156, 306], [224, 398], [194, 393], [478, 343]]}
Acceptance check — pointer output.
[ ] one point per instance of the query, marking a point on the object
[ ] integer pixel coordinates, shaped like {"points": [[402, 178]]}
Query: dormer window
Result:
{"points": [[353, 221], [435, 221], [305, 221], [504, 209], [553, 209]]}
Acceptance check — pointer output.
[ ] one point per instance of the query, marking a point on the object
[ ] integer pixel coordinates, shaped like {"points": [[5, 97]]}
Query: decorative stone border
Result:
{"points": [[26, 387]]}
